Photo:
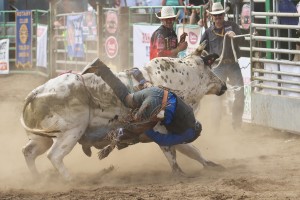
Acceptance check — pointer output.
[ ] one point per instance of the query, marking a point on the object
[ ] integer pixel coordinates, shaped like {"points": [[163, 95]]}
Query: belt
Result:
{"points": [[164, 100], [228, 61]]}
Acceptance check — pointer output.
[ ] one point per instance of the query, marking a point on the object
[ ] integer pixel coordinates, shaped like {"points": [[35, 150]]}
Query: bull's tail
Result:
{"points": [[28, 100]]}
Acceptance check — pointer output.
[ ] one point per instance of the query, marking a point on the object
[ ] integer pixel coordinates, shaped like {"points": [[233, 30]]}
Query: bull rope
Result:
{"points": [[232, 46], [237, 88], [233, 88]]}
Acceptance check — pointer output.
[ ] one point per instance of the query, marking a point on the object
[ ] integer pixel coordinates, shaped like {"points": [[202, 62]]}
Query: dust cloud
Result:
{"points": [[260, 163]]}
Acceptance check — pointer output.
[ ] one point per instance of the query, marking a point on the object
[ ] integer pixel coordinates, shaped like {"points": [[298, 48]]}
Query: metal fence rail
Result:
{"points": [[61, 61], [276, 52], [275, 97], [7, 31]]}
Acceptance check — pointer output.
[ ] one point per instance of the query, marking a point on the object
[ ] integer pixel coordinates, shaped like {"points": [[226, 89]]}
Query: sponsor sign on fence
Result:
{"points": [[141, 44], [4, 56], [193, 38], [41, 51], [23, 39], [75, 36]]}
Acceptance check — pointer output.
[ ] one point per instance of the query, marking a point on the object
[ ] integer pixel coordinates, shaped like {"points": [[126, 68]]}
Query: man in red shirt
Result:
{"points": [[164, 42]]}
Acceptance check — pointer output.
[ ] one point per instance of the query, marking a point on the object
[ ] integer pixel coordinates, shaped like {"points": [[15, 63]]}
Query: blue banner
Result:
{"points": [[23, 39], [74, 36]]}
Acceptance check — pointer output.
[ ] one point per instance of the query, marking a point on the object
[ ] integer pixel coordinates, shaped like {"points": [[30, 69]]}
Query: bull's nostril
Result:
{"points": [[224, 87], [223, 90]]}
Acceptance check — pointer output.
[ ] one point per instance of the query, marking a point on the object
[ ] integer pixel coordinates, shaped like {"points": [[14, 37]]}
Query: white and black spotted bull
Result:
{"points": [[72, 105]]}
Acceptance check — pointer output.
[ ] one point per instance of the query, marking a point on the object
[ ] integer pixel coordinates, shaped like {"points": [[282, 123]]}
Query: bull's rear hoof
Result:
{"points": [[214, 166]]}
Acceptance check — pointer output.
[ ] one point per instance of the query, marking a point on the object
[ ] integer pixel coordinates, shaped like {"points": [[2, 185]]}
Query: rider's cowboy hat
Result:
{"points": [[217, 8], [166, 13]]}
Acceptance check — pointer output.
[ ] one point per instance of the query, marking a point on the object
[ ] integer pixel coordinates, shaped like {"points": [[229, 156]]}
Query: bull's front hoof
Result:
{"points": [[178, 174], [87, 150]]}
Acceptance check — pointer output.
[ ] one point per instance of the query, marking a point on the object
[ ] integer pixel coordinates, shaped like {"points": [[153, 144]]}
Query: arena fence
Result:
{"points": [[275, 72], [62, 57], [8, 31]]}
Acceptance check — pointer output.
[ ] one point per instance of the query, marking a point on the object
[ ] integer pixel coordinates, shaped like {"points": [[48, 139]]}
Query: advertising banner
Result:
{"points": [[112, 37], [141, 44], [194, 33], [89, 28], [23, 39], [75, 36], [41, 49], [4, 56], [111, 47]]}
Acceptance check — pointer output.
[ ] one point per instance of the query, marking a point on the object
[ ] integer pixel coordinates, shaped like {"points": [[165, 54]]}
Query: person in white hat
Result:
{"points": [[229, 68], [164, 42]]}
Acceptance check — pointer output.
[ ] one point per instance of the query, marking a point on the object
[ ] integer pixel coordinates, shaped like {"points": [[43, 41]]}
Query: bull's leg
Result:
{"points": [[170, 154], [62, 147], [36, 146], [194, 153]]}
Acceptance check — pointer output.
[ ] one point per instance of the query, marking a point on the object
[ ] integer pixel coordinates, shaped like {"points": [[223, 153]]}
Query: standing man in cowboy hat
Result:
{"points": [[164, 42], [229, 67]]}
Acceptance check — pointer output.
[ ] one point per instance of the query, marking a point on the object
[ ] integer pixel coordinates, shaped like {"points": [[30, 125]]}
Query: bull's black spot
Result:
{"points": [[158, 72], [167, 77], [173, 71], [162, 67], [170, 80]]}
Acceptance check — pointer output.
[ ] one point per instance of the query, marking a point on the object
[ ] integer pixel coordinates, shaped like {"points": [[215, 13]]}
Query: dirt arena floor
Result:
{"points": [[260, 163]]}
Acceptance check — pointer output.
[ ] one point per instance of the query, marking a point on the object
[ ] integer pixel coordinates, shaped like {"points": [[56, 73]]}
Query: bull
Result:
{"points": [[72, 106]]}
